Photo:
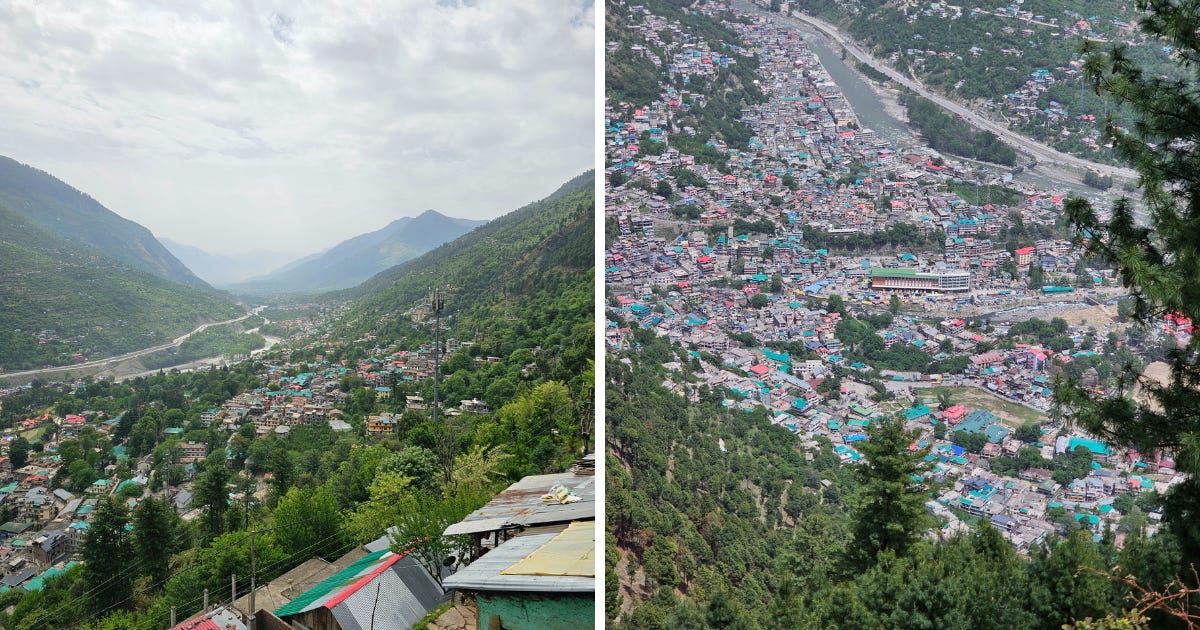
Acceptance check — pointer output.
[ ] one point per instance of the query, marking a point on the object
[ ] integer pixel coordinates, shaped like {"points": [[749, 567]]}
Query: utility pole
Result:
{"points": [[253, 570], [445, 441], [251, 612], [438, 303]]}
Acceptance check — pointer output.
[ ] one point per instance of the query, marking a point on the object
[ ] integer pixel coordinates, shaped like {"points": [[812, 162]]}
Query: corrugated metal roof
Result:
{"points": [[485, 574], [218, 619], [521, 504], [397, 598], [336, 584], [572, 552], [282, 589]]}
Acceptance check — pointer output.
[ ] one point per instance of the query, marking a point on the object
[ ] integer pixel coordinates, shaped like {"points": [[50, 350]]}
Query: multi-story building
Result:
{"points": [[913, 280]]}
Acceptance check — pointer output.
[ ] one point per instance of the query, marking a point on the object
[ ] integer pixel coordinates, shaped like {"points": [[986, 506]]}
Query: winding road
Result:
{"points": [[1039, 151], [129, 355]]}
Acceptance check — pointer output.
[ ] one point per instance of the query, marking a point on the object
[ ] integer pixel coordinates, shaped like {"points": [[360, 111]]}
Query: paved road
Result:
{"points": [[1038, 150], [124, 357]]}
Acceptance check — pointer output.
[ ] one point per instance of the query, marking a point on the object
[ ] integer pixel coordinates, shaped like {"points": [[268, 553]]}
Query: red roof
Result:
{"points": [[759, 369], [200, 624]]}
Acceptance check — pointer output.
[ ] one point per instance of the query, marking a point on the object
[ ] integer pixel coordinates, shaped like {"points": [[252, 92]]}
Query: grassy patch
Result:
{"points": [[999, 195], [964, 516], [1010, 413], [432, 616]]}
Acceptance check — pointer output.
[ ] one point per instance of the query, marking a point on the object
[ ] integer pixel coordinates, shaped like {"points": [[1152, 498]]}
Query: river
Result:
{"points": [[872, 114], [129, 365]]}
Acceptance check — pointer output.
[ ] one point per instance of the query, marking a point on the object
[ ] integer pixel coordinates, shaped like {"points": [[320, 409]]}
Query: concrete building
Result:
{"points": [[913, 280]]}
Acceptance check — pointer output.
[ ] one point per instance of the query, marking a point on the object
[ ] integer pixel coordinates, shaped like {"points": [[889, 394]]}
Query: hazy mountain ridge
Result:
{"points": [[61, 210], [357, 259], [225, 269]]}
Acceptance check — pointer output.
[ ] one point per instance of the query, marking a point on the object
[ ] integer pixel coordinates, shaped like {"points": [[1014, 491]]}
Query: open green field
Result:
{"points": [[973, 398]]}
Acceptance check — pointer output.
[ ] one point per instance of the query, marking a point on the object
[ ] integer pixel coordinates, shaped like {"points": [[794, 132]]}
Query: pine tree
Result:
{"points": [[890, 504], [153, 538], [1158, 261], [1068, 582], [210, 492], [107, 557], [1036, 278]]}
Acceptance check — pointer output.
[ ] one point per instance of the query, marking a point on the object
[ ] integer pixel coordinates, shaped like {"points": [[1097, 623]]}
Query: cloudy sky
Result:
{"points": [[293, 126]]}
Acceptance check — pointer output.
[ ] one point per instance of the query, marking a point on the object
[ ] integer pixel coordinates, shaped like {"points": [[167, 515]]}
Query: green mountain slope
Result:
{"points": [[60, 298], [57, 208], [523, 280]]}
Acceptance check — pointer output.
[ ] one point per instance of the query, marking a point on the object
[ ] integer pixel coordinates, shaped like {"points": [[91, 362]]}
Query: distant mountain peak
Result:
{"points": [[355, 259]]}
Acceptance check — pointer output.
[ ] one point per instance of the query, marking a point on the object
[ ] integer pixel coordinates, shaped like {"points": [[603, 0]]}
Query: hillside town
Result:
{"points": [[831, 277], [45, 523]]}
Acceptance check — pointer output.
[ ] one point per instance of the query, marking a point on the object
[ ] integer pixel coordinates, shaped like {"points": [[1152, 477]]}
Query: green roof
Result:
{"points": [[879, 272], [775, 356], [893, 273], [338, 580], [917, 412]]}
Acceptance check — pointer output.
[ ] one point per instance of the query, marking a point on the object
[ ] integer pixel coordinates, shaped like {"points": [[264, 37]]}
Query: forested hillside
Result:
{"points": [[521, 286], [59, 299], [717, 518], [65, 212]]}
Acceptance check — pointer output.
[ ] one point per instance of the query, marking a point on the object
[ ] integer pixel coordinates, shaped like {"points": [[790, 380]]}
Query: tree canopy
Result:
{"points": [[1154, 246]]}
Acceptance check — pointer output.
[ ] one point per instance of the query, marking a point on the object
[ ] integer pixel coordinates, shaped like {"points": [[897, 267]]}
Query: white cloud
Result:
{"points": [[306, 122]]}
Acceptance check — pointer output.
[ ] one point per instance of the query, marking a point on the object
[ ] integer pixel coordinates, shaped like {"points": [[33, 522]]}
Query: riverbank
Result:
{"points": [[828, 37], [130, 364], [877, 105]]}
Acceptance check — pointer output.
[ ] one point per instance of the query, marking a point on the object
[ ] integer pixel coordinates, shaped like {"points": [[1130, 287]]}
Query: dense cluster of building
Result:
{"points": [[47, 524], [811, 172], [810, 176]]}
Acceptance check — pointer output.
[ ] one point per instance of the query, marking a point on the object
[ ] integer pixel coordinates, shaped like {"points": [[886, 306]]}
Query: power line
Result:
{"points": [[342, 550], [195, 561]]}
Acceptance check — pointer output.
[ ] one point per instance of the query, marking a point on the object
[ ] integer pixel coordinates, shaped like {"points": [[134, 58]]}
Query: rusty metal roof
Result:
{"points": [[488, 572], [521, 505]]}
